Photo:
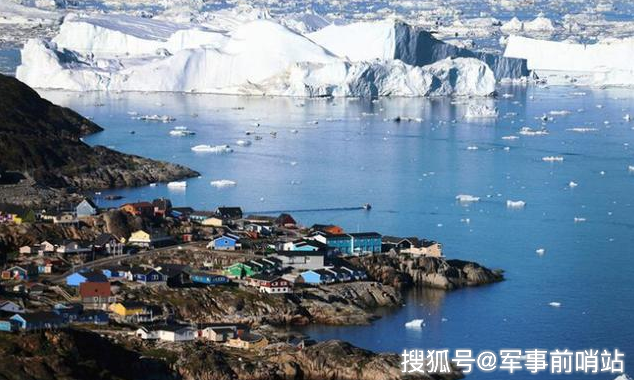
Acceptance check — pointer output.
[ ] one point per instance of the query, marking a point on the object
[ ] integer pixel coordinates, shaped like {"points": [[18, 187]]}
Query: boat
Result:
{"points": [[367, 206]]}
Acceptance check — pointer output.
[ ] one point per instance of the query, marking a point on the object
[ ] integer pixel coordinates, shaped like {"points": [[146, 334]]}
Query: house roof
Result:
{"points": [[41, 316], [172, 328], [323, 272], [251, 338], [104, 239], [230, 212], [428, 243], [360, 235], [265, 277], [94, 289]]}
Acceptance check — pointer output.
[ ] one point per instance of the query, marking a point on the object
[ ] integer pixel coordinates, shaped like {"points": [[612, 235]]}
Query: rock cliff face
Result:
{"points": [[402, 271], [43, 141]]}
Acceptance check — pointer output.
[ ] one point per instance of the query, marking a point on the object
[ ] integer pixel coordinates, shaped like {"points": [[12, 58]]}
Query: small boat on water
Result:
{"points": [[367, 206]]}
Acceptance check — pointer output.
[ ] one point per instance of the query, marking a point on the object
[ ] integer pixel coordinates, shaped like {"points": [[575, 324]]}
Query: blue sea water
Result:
{"points": [[349, 152]]}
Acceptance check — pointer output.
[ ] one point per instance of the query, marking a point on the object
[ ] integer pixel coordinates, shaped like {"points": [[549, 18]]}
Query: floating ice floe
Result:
{"points": [[572, 184], [559, 112], [582, 129], [528, 131], [181, 131], [222, 183], [177, 184], [579, 219], [466, 198], [630, 168], [480, 111], [161, 118], [555, 304], [472, 147], [243, 142], [212, 148], [510, 137], [515, 204], [540, 251], [552, 159], [415, 324]]}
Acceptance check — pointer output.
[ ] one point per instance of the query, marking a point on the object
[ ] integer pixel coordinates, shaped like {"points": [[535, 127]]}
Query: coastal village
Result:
{"points": [[53, 283]]}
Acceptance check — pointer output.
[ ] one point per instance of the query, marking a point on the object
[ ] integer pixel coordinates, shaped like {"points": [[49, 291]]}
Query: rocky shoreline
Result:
{"points": [[45, 162], [403, 271]]}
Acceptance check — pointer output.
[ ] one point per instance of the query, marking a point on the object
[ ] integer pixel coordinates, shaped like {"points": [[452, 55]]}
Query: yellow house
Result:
{"points": [[140, 238], [127, 309], [213, 222], [248, 341]]}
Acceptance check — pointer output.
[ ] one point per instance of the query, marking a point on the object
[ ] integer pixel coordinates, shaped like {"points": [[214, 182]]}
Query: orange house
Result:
{"points": [[139, 208]]}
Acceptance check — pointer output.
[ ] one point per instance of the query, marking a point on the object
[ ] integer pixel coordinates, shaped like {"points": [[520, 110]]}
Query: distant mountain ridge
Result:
{"points": [[43, 141]]}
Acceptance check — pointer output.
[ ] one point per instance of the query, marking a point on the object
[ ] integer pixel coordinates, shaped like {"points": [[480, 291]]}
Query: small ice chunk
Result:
{"points": [[555, 304], [212, 149], [222, 183], [466, 198], [415, 324], [243, 142], [579, 219], [477, 111], [552, 159], [540, 251], [177, 184], [572, 184], [515, 204]]}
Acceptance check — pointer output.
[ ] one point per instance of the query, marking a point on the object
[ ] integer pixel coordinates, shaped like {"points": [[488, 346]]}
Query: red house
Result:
{"points": [[272, 284], [96, 295]]}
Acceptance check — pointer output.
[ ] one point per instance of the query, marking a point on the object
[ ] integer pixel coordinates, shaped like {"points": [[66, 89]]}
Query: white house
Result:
{"points": [[301, 260], [176, 333]]}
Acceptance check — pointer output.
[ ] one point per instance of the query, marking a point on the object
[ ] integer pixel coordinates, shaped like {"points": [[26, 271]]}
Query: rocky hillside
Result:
{"points": [[73, 354], [333, 360], [402, 271], [43, 141], [339, 304]]}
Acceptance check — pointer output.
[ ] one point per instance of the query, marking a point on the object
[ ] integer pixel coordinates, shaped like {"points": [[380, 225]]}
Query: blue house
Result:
{"points": [[148, 276], [115, 273], [317, 276], [225, 242], [7, 325], [68, 312], [86, 208], [96, 317], [206, 278], [78, 278], [41, 320], [353, 243]]}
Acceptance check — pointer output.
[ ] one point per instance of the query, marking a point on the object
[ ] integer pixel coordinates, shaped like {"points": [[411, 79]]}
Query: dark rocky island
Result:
{"points": [[43, 157], [402, 271]]}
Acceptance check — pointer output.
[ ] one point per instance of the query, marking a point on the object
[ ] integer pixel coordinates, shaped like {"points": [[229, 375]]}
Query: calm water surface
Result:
{"points": [[348, 152]]}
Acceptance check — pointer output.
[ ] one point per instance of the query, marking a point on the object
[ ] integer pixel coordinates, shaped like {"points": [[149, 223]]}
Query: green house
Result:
{"points": [[241, 270]]}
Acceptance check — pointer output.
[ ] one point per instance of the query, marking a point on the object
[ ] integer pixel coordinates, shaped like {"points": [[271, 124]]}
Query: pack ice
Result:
{"points": [[606, 63], [255, 57]]}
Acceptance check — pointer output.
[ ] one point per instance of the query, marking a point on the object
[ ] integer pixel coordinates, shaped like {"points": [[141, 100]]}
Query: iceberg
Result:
{"points": [[466, 198], [212, 149], [222, 183], [605, 63], [552, 159], [387, 40], [177, 184], [261, 57], [515, 204], [415, 324], [477, 111]]}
